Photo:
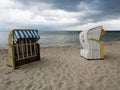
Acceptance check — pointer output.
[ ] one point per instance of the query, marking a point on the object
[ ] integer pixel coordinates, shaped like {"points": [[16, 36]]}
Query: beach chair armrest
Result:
{"points": [[101, 46], [94, 40]]}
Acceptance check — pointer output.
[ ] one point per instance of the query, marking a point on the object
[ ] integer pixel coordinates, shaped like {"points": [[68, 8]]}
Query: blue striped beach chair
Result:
{"points": [[23, 47]]}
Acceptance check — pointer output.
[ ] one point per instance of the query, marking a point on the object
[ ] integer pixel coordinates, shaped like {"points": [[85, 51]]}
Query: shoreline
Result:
{"points": [[68, 45]]}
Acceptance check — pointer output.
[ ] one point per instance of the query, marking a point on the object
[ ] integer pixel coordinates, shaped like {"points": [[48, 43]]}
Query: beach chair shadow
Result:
{"points": [[109, 57]]}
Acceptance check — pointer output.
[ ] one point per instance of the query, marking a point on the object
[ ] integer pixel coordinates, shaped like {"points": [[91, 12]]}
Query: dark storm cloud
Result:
{"points": [[107, 7], [71, 4], [68, 5], [110, 8]]}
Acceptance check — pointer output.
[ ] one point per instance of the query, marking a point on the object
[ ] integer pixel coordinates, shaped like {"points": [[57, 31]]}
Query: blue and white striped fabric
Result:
{"points": [[25, 34]]}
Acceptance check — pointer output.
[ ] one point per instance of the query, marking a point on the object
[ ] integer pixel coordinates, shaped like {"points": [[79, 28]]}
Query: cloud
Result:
{"points": [[67, 5], [58, 14], [111, 24], [31, 16], [26, 17]]}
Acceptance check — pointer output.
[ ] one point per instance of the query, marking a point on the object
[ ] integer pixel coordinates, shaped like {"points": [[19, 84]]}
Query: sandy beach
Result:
{"points": [[62, 68]]}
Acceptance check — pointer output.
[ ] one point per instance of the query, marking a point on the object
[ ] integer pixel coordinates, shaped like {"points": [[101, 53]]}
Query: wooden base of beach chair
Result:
{"points": [[26, 61], [93, 59]]}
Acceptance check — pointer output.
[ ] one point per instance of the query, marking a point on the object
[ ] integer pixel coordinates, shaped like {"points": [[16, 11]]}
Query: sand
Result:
{"points": [[62, 68]]}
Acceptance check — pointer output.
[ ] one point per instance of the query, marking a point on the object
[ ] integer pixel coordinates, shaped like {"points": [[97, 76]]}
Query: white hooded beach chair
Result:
{"points": [[91, 45], [23, 47]]}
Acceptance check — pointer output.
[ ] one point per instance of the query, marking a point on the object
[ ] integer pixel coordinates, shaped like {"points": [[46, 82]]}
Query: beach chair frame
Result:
{"points": [[32, 50]]}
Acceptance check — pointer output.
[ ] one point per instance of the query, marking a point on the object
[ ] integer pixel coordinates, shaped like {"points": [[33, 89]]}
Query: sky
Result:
{"points": [[70, 15]]}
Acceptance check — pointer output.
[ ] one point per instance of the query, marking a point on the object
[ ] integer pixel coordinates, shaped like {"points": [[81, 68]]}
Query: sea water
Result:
{"points": [[61, 38]]}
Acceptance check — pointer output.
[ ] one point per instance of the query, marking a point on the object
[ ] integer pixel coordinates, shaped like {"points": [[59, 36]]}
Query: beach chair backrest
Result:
{"points": [[94, 33]]}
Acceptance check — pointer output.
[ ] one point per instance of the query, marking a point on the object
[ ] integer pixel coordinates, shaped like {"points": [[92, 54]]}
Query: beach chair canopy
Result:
{"points": [[21, 33]]}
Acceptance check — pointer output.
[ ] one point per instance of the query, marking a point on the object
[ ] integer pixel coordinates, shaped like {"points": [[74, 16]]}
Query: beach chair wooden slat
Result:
{"points": [[27, 57], [22, 48], [25, 44], [17, 51], [26, 47], [30, 48], [34, 48]]}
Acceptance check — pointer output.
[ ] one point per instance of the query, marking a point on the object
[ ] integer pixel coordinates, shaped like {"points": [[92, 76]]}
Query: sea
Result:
{"points": [[61, 38]]}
